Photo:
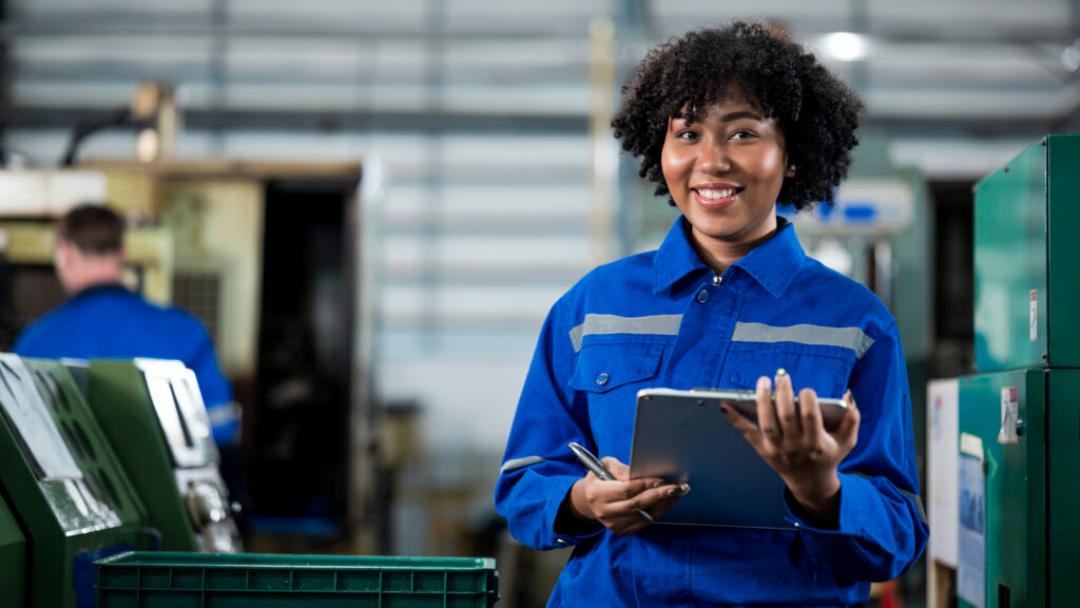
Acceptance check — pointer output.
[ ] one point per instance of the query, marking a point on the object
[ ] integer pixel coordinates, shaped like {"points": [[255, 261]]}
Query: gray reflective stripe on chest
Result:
{"points": [[817, 335], [597, 324]]}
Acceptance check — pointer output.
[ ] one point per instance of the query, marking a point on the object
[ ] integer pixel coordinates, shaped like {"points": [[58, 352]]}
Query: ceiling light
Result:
{"points": [[846, 46], [1070, 57]]}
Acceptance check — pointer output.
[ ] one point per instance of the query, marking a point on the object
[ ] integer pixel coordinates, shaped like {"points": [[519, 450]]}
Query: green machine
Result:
{"points": [[68, 496], [154, 416], [12, 556], [1019, 420]]}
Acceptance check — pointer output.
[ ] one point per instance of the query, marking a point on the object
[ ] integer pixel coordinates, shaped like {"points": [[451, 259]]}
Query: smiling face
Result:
{"points": [[724, 172]]}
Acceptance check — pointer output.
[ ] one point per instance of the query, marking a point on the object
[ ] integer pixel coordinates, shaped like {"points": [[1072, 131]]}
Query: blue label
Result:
{"points": [[860, 213]]}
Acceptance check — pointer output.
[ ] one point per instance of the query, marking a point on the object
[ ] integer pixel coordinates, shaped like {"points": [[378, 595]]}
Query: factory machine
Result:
{"points": [[98, 459], [65, 500], [153, 414], [1004, 442], [12, 555]]}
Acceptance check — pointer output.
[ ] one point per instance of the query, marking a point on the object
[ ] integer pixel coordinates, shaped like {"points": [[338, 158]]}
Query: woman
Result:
{"points": [[727, 122]]}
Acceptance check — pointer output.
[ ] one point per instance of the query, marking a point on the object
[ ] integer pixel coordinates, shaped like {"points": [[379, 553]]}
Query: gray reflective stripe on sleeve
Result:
{"points": [[818, 335], [223, 414], [516, 463], [596, 324], [915, 498]]}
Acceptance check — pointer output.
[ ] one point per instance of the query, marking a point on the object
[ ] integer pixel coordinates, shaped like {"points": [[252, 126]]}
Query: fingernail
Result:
{"points": [[764, 382], [670, 492], [781, 372], [656, 484]]}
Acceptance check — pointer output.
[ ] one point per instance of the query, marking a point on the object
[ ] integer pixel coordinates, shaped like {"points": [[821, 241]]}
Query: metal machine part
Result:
{"points": [[211, 513], [64, 484], [154, 412], [178, 404]]}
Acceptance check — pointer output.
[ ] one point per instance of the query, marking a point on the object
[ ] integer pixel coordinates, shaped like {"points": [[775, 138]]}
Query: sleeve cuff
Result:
{"points": [[567, 537], [850, 512]]}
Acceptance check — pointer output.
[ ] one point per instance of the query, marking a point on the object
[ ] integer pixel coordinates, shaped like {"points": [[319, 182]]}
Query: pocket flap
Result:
{"points": [[603, 367]]}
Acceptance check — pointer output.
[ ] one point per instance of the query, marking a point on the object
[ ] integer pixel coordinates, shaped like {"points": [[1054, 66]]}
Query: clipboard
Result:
{"points": [[683, 436]]}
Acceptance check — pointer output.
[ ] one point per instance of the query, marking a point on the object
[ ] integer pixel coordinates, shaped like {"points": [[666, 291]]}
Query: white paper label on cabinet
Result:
{"points": [[1010, 415], [1033, 315]]}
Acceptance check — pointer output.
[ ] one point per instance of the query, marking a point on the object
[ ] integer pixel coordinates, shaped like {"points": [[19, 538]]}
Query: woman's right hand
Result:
{"points": [[615, 504]]}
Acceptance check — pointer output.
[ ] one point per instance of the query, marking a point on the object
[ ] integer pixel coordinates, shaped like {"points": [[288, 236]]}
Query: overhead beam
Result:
{"points": [[455, 122]]}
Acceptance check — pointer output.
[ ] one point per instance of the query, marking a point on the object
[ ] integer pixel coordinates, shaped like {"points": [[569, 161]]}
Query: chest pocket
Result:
{"points": [[826, 370], [602, 368], [609, 377]]}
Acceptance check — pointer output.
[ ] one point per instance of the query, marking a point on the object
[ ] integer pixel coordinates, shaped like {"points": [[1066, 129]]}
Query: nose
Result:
{"points": [[713, 159]]}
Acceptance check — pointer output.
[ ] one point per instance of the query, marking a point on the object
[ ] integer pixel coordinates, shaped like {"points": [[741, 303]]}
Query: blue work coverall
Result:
{"points": [[664, 319], [111, 322]]}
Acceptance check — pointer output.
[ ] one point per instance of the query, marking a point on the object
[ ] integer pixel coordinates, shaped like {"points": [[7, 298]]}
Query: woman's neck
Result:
{"points": [[720, 253]]}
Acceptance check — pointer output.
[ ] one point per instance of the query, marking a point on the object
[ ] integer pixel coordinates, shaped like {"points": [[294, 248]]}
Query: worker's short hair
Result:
{"points": [[93, 229]]}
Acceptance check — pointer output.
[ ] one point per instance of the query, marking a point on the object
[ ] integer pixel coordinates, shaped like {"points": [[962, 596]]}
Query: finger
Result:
{"points": [[749, 430], [666, 503], [812, 426], [643, 501], [617, 469], [784, 399], [618, 491], [766, 413], [847, 434]]}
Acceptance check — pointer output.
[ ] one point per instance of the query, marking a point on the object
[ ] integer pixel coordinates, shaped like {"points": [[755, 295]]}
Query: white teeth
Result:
{"points": [[715, 195]]}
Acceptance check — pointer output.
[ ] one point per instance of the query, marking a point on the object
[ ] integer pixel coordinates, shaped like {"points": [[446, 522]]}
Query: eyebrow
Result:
{"points": [[733, 116], [730, 116]]}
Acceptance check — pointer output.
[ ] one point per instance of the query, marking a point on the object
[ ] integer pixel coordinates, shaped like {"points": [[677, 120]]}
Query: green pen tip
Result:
{"points": [[781, 372]]}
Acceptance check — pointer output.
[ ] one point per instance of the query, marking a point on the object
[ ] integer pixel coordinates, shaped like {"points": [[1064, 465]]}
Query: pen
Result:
{"points": [[586, 457]]}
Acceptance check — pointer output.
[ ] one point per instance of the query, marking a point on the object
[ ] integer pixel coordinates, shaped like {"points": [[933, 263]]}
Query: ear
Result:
{"points": [[64, 251]]}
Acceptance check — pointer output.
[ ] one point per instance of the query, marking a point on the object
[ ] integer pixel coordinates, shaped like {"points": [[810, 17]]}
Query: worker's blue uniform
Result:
{"points": [[662, 318], [110, 322]]}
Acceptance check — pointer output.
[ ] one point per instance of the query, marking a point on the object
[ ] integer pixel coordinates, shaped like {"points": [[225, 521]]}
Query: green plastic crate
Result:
{"points": [[199, 580]]}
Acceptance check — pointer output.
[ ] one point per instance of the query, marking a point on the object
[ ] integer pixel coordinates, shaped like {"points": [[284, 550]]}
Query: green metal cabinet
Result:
{"points": [[1027, 456], [1026, 250], [154, 416], [12, 557], [1019, 420], [1063, 498], [63, 484]]}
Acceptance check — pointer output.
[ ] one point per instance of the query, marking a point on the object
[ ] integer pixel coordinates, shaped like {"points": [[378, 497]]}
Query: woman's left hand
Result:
{"points": [[793, 441]]}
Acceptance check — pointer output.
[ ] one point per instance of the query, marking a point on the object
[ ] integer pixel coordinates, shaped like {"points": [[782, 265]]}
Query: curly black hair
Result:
{"points": [[817, 113]]}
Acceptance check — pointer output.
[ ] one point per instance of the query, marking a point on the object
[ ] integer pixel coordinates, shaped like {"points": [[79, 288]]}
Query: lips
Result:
{"points": [[716, 195]]}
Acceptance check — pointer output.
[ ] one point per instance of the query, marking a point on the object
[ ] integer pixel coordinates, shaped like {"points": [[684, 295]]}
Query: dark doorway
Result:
{"points": [[954, 277], [297, 435], [27, 293]]}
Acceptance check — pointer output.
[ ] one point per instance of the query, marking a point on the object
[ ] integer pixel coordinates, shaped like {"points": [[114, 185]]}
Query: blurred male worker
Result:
{"points": [[102, 319]]}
